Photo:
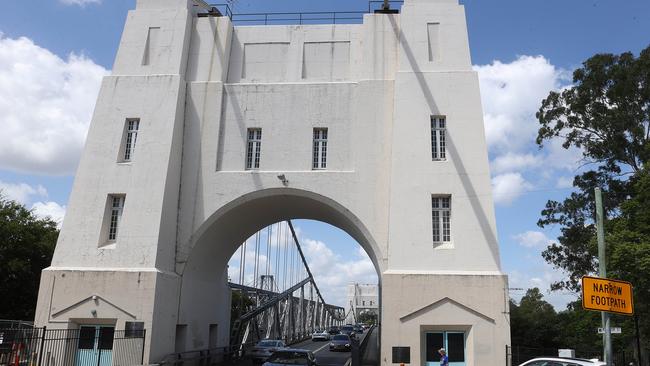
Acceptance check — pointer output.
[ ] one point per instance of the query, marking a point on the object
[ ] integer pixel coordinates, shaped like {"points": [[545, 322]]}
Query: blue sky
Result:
{"points": [[53, 54]]}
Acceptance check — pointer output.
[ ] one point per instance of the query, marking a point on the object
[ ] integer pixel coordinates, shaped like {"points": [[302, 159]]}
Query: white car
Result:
{"points": [[562, 361], [320, 335]]}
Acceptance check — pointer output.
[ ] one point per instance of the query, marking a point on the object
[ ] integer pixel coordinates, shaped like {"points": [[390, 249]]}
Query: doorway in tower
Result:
{"points": [[95, 345], [452, 341]]}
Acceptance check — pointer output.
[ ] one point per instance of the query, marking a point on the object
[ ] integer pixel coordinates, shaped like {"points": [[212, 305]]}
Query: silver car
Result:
{"points": [[290, 356], [320, 335], [562, 361], [264, 349]]}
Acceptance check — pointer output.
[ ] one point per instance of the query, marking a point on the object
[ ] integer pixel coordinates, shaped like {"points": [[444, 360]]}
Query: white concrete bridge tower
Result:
{"points": [[200, 117]]}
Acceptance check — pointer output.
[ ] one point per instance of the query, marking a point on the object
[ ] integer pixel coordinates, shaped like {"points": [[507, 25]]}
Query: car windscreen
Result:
{"points": [[341, 337], [268, 344], [347, 329], [289, 358]]}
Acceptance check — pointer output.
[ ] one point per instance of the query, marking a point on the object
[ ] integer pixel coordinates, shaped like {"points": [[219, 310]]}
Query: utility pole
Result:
{"points": [[602, 269]]}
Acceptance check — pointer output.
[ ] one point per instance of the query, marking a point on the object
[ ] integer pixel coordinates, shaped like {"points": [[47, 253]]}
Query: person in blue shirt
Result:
{"points": [[444, 360]]}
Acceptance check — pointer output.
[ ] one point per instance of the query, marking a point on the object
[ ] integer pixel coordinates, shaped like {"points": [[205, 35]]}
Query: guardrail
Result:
{"points": [[299, 18]]}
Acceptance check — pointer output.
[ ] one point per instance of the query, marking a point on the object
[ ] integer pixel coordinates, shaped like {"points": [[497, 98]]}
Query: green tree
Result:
{"points": [[26, 246], [367, 317], [606, 114], [533, 322]]}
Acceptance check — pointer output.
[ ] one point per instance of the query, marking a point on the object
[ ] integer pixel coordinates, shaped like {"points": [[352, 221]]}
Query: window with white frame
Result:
{"points": [[116, 203], [253, 148], [319, 160], [441, 218], [438, 138], [130, 138]]}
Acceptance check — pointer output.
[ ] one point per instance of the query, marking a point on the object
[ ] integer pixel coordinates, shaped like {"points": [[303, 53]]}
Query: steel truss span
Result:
{"points": [[281, 299]]}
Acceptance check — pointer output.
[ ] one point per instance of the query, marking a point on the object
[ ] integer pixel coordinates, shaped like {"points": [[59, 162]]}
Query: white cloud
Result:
{"points": [[506, 188], [80, 2], [51, 210], [564, 182], [333, 272], [21, 192], [509, 162], [511, 94], [46, 104], [532, 239], [541, 277]]}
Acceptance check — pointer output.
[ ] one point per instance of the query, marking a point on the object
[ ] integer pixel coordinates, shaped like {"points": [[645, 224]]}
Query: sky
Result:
{"points": [[54, 53]]}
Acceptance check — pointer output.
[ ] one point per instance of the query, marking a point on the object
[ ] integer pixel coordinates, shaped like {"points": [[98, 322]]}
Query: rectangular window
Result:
{"points": [[130, 137], [117, 205], [441, 218], [320, 148], [438, 138], [253, 149]]}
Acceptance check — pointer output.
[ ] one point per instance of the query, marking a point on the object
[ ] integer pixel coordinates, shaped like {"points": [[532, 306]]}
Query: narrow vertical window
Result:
{"points": [[438, 138], [253, 148], [131, 135], [117, 205], [441, 218], [319, 160]]}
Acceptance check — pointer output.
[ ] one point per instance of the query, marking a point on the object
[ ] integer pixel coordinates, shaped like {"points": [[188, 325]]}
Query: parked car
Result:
{"points": [[290, 356], [320, 335], [562, 361], [358, 329], [264, 349], [340, 342], [334, 330]]}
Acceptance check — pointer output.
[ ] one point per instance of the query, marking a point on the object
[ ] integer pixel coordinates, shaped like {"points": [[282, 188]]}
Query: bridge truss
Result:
{"points": [[275, 295]]}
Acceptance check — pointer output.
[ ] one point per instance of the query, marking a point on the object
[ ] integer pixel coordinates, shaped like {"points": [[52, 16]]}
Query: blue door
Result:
{"points": [[95, 347], [452, 342]]}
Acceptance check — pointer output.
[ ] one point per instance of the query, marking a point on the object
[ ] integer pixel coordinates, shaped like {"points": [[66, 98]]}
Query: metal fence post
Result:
{"points": [[144, 340], [42, 349]]}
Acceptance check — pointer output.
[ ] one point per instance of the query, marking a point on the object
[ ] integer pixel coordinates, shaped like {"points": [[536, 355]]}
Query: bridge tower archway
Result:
{"points": [[204, 275]]}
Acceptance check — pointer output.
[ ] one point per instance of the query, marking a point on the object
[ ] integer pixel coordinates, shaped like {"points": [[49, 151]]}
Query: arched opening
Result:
{"points": [[205, 302]]}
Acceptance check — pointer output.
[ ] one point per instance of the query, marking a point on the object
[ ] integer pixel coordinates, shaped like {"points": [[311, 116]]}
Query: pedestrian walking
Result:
{"points": [[444, 360]]}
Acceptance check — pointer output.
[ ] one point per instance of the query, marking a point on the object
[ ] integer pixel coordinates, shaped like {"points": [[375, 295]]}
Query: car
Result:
{"points": [[358, 329], [320, 335], [264, 349], [334, 330], [291, 356], [562, 361], [348, 330], [340, 342]]}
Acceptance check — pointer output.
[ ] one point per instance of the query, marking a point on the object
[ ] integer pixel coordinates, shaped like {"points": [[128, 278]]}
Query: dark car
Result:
{"points": [[348, 330], [264, 349], [358, 329], [334, 330], [340, 342], [290, 356]]}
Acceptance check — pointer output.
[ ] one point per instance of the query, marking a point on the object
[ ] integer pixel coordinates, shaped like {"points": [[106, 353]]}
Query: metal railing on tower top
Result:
{"points": [[300, 18]]}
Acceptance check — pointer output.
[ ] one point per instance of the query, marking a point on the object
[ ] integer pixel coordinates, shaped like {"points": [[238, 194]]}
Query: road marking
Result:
{"points": [[326, 344], [348, 362]]}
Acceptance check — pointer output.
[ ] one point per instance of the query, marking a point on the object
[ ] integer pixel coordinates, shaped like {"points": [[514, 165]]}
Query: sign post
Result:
{"points": [[602, 272]]}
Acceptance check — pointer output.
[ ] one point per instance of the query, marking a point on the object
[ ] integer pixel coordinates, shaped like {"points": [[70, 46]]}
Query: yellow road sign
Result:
{"points": [[603, 294]]}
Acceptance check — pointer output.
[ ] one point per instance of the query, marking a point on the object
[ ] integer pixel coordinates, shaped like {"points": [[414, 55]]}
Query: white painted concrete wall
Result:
{"points": [[197, 84]]}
